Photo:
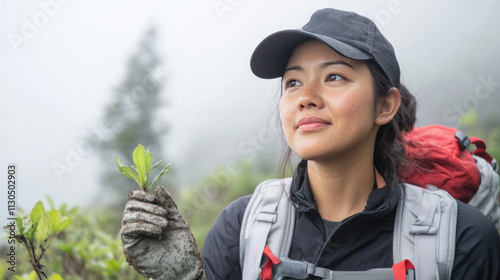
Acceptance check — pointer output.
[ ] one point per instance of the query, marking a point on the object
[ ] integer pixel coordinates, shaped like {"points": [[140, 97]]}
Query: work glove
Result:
{"points": [[156, 239]]}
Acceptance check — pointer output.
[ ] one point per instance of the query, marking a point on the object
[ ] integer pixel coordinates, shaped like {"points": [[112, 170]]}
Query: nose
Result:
{"points": [[310, 98]]}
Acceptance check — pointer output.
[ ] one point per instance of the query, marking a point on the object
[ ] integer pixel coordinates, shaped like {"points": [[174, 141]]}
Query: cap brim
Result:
{"points": [[270, 58]]}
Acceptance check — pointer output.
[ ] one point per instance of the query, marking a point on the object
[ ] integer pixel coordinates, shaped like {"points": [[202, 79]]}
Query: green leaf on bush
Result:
{"points": [[37, 212], [43, 229], [113, 265], [1, 271], [51, 202], [65, 222], [55, 219], [55, 276], [23, 223], [35, 215], [25, 276], [30, 232]]}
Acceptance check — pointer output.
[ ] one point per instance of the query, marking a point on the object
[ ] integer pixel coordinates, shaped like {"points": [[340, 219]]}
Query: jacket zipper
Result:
{"points": [[327, 240]]}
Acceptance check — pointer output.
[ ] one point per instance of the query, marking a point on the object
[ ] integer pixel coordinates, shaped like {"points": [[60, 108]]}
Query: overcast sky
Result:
{"points": [[60, 60]]}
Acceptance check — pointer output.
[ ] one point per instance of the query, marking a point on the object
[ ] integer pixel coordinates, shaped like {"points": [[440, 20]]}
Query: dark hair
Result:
{"points": [[390, 155]]}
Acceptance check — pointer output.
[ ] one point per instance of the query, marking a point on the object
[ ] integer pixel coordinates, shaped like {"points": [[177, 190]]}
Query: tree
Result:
{"points": [[131, 115]]}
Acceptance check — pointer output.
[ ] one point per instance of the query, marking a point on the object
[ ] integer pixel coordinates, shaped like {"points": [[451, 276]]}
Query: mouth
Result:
{"points": [[311, 123]]}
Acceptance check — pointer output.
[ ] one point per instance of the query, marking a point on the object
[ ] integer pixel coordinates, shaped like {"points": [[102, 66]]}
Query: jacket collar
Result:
{"points": [[380, 199]]}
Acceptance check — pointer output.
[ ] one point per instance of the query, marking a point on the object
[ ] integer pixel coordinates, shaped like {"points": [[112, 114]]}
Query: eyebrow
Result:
{"points": [[322, 65]]}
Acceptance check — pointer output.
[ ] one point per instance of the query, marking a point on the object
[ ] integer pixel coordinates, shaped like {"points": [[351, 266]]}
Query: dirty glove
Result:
{"points": [[156, 239]]}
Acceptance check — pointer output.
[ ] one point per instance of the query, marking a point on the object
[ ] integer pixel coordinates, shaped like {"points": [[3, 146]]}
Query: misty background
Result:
{"points": [[63, 63]]}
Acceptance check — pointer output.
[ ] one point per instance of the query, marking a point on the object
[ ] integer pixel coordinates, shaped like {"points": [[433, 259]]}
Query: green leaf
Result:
{"points": [[30, 232], [51, 202], [65, 222], [112, 265], [32, 276], [23, 224], [165, 170], [25, 276], [37, 212], [149, 162], [1, 271], [55, 219], [55, 276], [135, 168], [127, 171], [43, 229], [19, 228], [156, 164], [139, 157], [35, 215]]}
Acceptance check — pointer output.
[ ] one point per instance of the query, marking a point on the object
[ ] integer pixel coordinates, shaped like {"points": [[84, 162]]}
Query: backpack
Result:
{"points": [[441, 152], [425, 218]]}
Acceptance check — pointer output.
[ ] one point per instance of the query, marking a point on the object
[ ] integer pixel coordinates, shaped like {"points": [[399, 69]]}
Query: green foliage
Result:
{"points": [[91, 247], [486, 128], [94, 251], [33, 276], [202, 203], [36, 231], [88, 249], [143, 160]]}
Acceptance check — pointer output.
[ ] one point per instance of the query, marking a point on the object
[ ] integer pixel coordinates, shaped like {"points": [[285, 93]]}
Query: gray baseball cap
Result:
{"points": [[352, 35]]}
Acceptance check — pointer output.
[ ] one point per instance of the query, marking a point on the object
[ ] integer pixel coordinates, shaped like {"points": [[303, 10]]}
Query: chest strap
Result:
{"points": [[303, 270]]}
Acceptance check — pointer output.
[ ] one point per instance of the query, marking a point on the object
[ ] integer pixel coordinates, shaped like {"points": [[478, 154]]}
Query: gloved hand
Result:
{"points": [[156, 239]]}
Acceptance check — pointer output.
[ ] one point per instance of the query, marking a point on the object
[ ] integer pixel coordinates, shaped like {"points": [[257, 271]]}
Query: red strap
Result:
{"points": [[400, 268], [478, 142], [480, 149], [267, 271]]}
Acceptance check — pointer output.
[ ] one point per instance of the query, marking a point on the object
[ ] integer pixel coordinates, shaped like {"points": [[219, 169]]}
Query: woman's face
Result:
{"points": [[327, 108]]}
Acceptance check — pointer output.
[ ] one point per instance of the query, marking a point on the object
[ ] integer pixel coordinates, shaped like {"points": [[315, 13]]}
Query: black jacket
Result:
{"points": [[362, 241]]}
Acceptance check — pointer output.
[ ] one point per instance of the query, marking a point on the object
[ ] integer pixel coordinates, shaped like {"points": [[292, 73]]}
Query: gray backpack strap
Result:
{"points": [[485, 198], [303, 270], [269, 210], [425, 230]]}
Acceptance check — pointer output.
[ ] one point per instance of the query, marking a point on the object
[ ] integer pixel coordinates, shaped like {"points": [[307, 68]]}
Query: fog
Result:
{"points": [[60, 60]]}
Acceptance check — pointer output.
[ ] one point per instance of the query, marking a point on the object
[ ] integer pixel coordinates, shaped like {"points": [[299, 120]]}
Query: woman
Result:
{"points": [[343, 111]]}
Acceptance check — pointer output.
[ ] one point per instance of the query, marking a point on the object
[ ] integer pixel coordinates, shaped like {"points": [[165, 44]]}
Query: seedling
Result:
{"points": [[143, 160], [36, 230]]}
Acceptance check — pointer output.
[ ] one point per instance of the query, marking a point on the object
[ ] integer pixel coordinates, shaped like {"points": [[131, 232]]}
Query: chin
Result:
{"points": [[312, 155]]}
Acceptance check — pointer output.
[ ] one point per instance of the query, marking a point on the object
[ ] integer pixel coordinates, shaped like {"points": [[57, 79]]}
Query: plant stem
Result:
{"points": [[31, 252]]}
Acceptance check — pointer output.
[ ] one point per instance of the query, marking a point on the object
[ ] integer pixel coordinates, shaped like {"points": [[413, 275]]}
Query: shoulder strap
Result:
{"points": [[424, 231], [269, 219], [268, 209], [486, 197]]}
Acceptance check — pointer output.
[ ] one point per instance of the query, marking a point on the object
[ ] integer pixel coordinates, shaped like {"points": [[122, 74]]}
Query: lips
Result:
{"points": [[311, 123]]}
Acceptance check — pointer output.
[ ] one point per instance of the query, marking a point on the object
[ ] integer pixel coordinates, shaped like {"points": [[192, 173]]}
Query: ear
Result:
{"points": [[388, 106]]}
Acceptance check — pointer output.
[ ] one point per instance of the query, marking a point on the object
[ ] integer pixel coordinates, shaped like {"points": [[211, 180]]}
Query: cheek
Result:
{"points": [[284, 110], [357, 105], [286, 116]]}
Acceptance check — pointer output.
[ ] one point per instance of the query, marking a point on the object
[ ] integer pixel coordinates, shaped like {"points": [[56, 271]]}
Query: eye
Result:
{"points": [[334, 77], [292, 83]]}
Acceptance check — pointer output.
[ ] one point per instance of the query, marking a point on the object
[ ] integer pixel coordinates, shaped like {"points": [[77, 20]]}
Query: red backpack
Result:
{"points": [[442, 160]]}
